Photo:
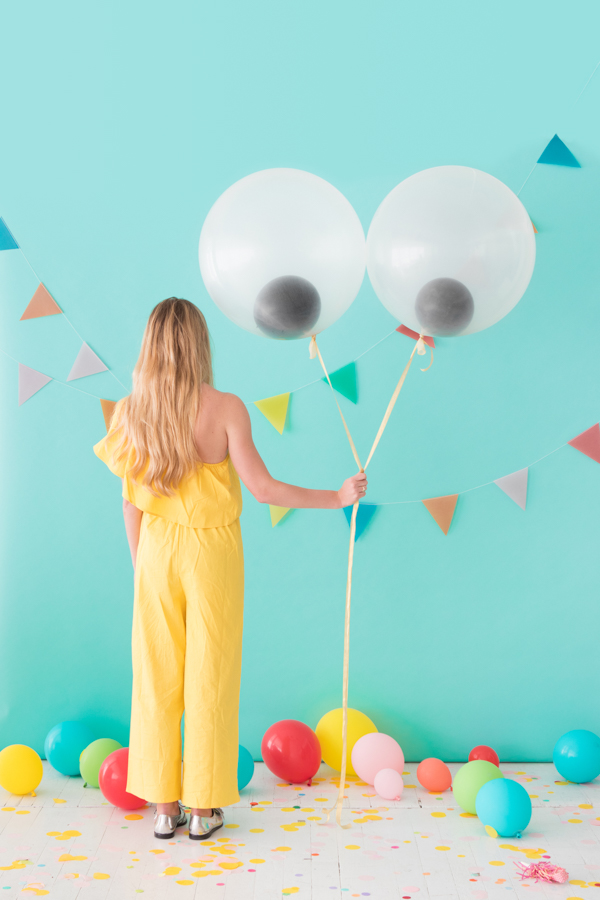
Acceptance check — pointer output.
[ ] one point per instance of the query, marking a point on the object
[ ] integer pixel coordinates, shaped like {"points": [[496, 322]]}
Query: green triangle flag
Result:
{"points": [[558, 154], [344, 381]]}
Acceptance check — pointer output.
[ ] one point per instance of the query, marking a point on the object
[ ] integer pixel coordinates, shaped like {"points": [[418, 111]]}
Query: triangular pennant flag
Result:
{"points": [[275, 409], [7, 241], [344, 381], [41, 304], [277, 514], [442, 509], [535, 231], [87, 363], [588, 442], [558, 154], [515, 486], [30, 382], [403, 329], [108, 408], [365, 513]]}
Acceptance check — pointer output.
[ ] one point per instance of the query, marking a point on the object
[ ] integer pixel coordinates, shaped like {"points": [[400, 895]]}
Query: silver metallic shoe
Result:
{"points": [[201, 827], [164, 826]]}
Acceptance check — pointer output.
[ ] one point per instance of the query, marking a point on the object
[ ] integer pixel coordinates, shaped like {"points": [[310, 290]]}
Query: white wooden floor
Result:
{"points": [[67, 842]]}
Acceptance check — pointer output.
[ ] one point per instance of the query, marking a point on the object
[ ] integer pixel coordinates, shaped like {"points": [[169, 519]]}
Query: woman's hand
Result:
{"points": [[353, 489]]}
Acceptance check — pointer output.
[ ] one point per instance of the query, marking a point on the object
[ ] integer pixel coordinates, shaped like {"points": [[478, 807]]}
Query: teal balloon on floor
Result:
{"points": [[64, 745], [503, 807], [577, 756], [245, 768]]}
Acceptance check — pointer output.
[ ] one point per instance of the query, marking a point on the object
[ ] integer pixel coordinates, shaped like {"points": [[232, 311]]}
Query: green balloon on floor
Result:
{"points": [[92, 758], [469, 779]]}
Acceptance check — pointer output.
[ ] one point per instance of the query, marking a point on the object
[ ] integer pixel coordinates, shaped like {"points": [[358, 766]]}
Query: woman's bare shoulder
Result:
{"points": [[230, 404]]}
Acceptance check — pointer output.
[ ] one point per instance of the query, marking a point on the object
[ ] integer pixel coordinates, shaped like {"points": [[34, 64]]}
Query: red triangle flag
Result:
{"points": [[588, 442], [41, 304], [403, 329]]}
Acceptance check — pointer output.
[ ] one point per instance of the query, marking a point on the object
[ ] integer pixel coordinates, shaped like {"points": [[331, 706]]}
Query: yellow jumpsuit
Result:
{"points": [[187, 637]]}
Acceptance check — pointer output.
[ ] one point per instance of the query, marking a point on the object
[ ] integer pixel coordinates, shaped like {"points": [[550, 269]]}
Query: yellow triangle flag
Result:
{"points": [[108, 408], [277, 514], [275, 410], [442, 509]]}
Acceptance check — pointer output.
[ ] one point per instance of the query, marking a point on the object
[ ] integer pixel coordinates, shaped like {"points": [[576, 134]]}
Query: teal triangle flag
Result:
{"points": [[558, 154], [7, 241], [344, 381], [365, 513]]}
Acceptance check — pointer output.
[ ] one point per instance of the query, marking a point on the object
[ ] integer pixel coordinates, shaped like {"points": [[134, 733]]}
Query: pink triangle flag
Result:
{"points": [[30, 382], [87, 363], [515, 486], [588, 442]]}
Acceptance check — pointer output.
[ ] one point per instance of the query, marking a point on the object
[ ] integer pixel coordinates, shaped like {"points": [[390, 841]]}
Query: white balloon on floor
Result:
{"points": [[282, 253], [450, 251]]}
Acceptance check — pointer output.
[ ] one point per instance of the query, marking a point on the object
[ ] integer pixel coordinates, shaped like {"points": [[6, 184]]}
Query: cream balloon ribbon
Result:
{"points": [[314, 351]]}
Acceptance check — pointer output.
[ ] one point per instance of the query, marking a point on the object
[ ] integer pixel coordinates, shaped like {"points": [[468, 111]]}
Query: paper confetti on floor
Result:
{"points": [[277, 843]]}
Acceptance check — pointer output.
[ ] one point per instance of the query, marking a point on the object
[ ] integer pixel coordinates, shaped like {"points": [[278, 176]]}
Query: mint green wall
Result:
{"points": [[121, 124]]}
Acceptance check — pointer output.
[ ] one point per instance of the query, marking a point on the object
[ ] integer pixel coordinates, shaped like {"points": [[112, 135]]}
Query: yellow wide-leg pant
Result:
{"points": [[187, 654]]}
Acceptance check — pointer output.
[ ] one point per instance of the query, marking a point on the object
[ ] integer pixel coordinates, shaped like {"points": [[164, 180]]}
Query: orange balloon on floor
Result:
{"points": [[434, 775]]}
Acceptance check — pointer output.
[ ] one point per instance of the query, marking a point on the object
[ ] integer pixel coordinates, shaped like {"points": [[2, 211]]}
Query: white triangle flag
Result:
{"points": [[30, 382], [515, 486], [87, 363]]}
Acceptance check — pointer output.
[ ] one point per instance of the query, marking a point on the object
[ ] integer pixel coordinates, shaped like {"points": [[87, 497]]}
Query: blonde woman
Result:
{"points": [[179, 446]]}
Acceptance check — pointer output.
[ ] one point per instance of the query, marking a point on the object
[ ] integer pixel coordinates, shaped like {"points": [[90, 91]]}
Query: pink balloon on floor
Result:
{"points": [[374, 752], [388, 784]]}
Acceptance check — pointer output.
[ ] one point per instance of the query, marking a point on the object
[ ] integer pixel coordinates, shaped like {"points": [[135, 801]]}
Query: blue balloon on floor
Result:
{"points": [[503, 807], [577, 756], [245, 768], [64, 745]]}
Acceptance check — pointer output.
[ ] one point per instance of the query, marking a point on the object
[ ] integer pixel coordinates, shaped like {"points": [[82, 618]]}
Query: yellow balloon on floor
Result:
{"points": [[21, 769], [329, 732]]}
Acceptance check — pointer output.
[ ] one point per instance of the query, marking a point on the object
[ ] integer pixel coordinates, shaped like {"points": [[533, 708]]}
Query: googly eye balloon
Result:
{"points": [[450, 251], [282, 253]]}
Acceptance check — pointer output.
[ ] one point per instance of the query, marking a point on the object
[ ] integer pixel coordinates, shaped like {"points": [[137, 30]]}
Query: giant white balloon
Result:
{"points": [[282, 253], [450, 251]]}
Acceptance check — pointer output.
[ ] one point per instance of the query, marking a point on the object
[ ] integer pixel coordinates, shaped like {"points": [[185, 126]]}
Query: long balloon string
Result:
{"points": [[314, 351]]}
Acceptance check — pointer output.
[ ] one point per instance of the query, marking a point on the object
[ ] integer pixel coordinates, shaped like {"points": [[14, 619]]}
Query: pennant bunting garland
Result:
{"points": [[588, 442], [403, 329], [365, 513], [275, 409], [41, 304], [108, 408], [344, 381], [87, 363], [277, 514], [7, 241], [30, 382], [558, 154], [515, 486], [535, 231], [442, 509]]}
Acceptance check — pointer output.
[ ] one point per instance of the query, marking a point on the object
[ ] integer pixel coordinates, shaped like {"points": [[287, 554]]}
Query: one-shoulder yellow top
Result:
{"points": [[207, 498]]}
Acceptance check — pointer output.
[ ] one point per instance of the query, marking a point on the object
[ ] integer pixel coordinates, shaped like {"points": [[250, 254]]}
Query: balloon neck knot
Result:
{"points": [[312, 348], [421, 349]]}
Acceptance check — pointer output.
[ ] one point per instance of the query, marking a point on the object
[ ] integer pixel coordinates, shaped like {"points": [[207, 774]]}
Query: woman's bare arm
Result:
{"points": [[133, 520], [262, 485]]}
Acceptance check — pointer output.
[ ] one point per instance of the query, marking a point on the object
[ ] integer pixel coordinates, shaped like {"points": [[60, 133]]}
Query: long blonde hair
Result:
{"points": [[157, 420]]}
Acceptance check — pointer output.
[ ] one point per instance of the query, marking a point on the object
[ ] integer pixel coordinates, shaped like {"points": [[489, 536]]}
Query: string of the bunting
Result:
{"points": [[43, 304]]}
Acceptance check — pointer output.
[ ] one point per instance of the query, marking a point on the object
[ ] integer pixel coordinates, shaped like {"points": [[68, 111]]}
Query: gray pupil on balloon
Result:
{"points": [[287, 307], [444, 307]]}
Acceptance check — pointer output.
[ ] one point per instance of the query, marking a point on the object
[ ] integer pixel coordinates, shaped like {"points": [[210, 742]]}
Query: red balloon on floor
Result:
{"points": [[483, 752], [291, 750], [434, 775], [113, 778]]}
